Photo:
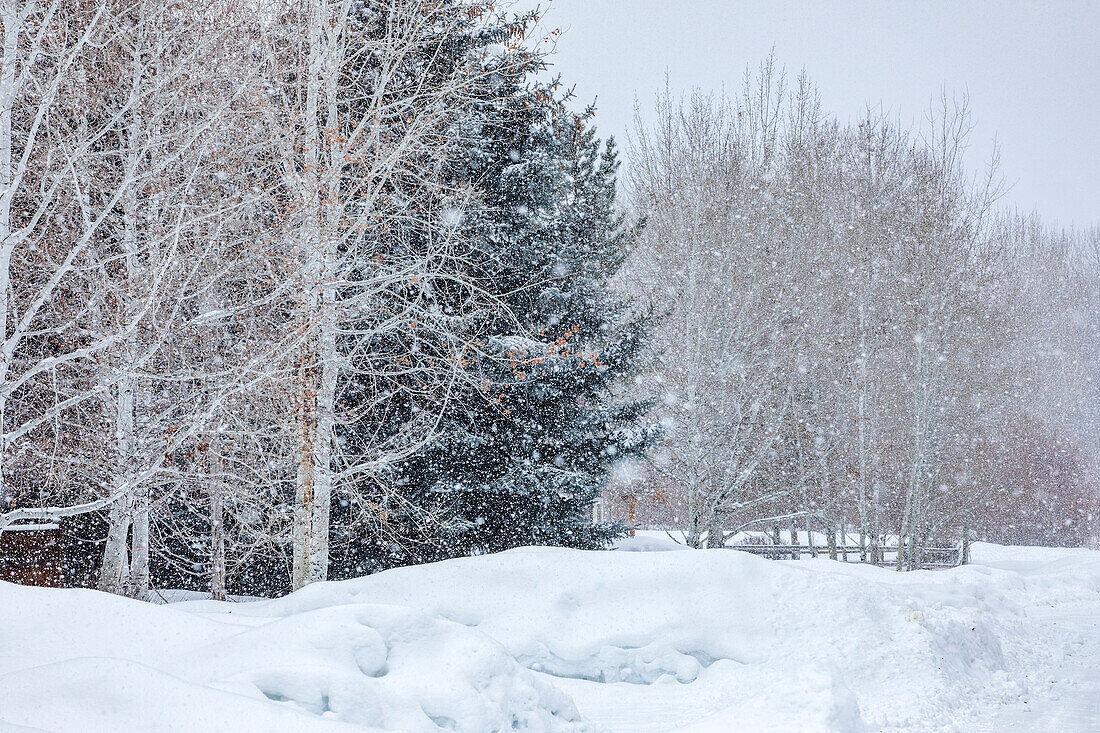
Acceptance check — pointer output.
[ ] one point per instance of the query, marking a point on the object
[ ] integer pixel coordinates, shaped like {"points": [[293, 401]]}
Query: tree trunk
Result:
{"points": [[303, 500], [862, 418], [715, 535], [114, 572], [921, 404], [217, 524], [7, 192], [693, 535], [810, 536], [139, 550], [322, 465], [114, 569], [133, 580], [317, 372]]}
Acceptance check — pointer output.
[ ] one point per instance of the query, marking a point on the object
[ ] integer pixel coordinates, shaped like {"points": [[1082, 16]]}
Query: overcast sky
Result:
{"points": [[1031, 69]]}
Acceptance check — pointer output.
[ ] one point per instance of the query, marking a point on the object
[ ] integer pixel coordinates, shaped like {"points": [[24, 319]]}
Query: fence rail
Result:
{"points": [[932, 557]]}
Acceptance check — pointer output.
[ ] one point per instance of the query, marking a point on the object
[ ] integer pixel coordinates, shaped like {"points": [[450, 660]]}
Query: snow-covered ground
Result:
{"points": [[547, 639]]}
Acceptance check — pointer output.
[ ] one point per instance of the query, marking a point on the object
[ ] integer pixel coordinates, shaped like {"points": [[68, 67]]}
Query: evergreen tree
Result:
{"points": [[523, 453]]}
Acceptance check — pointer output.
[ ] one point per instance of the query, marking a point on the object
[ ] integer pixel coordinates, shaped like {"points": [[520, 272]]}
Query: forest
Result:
{"points": [[299, 290]]}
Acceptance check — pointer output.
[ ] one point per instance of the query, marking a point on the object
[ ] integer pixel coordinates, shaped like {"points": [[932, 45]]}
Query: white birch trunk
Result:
{"points": [[303, 498], [308, 546], [324, 427], [133, 517], [715, 534], [920, 406], [218, 569], [12, 22], [862, 416], [114, 571], [139, 551]]}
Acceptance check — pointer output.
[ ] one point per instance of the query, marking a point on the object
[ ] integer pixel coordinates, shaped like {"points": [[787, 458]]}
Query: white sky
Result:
{"points": [[1032, 70]]}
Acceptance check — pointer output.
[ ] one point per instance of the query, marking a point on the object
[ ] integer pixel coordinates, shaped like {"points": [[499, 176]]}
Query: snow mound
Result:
{"points": [[110, 694], [549, 639], [816, 635], [114, 664]]}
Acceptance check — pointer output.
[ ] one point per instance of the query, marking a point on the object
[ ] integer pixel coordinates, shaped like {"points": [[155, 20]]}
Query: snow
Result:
{"points": [[651, 637], [82, 660], [31, 527], [651, 542]]}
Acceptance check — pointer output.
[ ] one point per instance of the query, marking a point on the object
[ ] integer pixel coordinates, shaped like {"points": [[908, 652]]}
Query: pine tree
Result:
{"points": [[524, 453], [526, 469]]}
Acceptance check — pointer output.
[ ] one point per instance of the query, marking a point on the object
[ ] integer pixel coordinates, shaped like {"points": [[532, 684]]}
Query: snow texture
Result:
{"points": [[549, 639]]}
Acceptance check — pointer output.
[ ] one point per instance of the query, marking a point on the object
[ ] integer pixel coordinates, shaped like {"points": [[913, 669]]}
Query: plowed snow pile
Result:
{"points": [[546, 639]]}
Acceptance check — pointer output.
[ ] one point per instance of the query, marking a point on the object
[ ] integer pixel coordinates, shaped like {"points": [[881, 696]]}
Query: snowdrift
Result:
{"points": [[544, 640], [86, 661]]}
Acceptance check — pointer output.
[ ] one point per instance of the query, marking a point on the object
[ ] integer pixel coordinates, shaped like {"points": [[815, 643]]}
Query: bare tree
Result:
{"points": [[713, 264]]}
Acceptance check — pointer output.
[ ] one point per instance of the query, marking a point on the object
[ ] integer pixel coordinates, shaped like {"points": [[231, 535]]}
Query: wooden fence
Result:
{"points": [[931, 557], [30, 554]]}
